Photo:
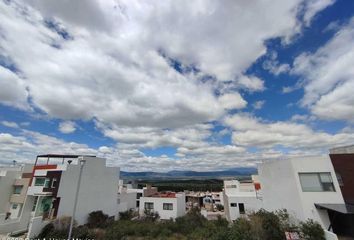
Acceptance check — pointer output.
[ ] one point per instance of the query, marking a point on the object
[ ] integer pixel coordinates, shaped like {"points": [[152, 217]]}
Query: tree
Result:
{"points": [[311, 230], [97, 219]]}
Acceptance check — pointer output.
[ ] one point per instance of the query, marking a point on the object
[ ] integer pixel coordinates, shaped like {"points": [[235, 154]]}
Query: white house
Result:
{"points": [[15, 206], [169, 205], [241, 198], [300, 185], [54, 187]]}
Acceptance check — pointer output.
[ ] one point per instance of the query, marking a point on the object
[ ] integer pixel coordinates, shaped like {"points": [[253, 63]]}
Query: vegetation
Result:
{"points": [[261, 225]]}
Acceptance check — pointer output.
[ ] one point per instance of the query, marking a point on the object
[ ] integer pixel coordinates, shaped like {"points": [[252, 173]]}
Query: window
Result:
{"points": [[316, 182], [35, 204], [14, 206], [149, 206], [233, 204], [18, 189], [54, 182], [241, 208], [167, 206], [46, 183], [340, 179], [39, 181]]}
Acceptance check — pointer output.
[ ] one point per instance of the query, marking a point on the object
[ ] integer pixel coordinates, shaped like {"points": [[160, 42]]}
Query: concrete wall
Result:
{"points": [[98, 191], [35, 226], [22, 222], [281, 187], [179, 206], [251, 204], [6, 188], [308, 199]]}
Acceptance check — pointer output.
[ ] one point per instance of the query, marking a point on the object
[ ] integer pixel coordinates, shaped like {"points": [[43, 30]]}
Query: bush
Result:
{"points": [[219, 207], [311, 230], [241, 229], [127, 215], [271, 227], [150, 216], [97, 219]]}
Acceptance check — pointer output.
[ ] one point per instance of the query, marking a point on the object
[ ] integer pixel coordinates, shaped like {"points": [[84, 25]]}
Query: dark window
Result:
{"points": [[316, 182], [167, 206], [241, 208], [39, 181], [149, 206], [233, 204], [54, 183], [18, 189]]}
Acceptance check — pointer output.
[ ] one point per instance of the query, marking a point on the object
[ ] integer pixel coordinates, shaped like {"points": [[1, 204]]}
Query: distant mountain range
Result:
{"points": [[246, 171]]}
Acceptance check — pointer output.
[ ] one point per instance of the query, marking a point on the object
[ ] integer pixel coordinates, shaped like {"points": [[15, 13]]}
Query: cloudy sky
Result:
{"points": [[167, 85]]}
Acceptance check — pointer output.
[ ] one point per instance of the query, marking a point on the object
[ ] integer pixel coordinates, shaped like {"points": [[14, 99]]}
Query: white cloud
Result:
{"points": [[111, 68], [232, 101], [67, 127], [329, 76], [251, 131], [13, 89], [312, 7], [258, 104], [9, 124], [273, 65]]}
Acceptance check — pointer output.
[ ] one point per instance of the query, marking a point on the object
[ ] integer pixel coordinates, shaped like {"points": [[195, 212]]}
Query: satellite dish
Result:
{"points": [[70, 161]]}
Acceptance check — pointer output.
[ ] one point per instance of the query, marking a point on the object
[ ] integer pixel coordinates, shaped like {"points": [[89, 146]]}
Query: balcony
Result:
{"points": [[38, 191]]}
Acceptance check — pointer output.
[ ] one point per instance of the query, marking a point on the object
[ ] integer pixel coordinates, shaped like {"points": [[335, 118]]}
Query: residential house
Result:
{"points": [[169, 205]]}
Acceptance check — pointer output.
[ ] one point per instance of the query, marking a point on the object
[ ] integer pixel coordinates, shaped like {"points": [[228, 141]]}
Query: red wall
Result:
{"points": [[344, 165]]}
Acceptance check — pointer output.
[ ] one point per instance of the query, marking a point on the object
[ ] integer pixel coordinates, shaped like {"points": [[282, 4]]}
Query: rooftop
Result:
{"points": [[164, 195]]}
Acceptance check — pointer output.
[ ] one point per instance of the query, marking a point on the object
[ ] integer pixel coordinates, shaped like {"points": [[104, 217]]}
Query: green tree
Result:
{"points": [[311, 230]]}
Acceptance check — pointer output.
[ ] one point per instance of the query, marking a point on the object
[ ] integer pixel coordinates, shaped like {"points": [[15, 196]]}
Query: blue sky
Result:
{"points": [[166, 86]]}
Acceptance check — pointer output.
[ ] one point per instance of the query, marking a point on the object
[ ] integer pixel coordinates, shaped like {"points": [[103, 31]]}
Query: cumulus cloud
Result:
{"points": [[67, 127], [329, 76], [232, 101], [112, 67], [13, 89], [250, 131], [258, 104], [116, 62]]}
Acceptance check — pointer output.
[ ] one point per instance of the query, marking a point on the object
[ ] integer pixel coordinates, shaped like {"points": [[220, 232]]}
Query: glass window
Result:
{"points": [[18, 189], [46, 183], [167, 206], [316, 182], [233, 204], [241, 208], [14, 206], [39, 181], [149, 206], [54, 183]]}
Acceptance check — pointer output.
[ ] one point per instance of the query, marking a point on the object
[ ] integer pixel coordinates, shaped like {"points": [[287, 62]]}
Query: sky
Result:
{"points": [[176, 85]]}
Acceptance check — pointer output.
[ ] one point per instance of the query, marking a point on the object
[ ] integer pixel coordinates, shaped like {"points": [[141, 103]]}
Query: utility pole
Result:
{"points": [[82, 163]]}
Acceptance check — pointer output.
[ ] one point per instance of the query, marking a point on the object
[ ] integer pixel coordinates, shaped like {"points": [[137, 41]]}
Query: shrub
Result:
{"points": [[97, 219], [241, 229], [311, 230], [127, 215], [271, 225], [219, 207], [150, 216]]}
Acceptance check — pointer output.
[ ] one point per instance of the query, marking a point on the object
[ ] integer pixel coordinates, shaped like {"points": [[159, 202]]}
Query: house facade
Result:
{"points": [[241, 198], [15, 206], [169, 205], [300, 185], [54, 183]]}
